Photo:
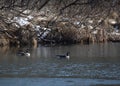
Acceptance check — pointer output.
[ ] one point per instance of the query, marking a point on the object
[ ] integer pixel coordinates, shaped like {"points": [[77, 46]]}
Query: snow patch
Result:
{"points": [[26, 11], [95, 32], [45, 34], [115, 33], [90, 21], [90, 27], [21, 21], [112, 21], [76, 23], [83, 26], [30, 17]]}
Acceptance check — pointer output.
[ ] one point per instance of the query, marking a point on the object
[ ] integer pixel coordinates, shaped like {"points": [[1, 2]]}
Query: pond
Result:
{"points": [[93, 61]]}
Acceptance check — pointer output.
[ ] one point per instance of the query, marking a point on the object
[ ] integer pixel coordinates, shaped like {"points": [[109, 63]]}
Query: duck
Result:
{"points": [[64, 56], [22, 53]]}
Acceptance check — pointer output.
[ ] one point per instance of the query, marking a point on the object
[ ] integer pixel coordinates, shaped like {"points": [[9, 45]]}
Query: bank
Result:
{"points": [[39, 28]]}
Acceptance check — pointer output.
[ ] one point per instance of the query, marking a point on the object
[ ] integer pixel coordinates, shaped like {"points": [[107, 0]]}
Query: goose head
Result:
{"points": [[27, 53]]}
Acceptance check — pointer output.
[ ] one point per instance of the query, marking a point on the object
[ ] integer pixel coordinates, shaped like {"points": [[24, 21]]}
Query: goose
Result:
{"points": [[22, 53], [64, 56]]}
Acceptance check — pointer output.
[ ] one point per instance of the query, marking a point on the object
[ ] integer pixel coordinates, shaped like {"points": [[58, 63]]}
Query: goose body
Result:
{"points": [[21, 53], [64, 56]]}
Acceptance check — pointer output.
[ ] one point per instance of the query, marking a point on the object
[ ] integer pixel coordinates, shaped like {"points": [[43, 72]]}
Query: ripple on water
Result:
{"points": [[81, 70]]}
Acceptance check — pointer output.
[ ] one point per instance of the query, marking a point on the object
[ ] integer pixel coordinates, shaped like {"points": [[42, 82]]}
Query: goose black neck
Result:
{"points": [[67, 53]]}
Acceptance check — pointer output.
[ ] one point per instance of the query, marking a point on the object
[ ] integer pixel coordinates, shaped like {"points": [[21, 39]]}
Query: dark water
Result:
{"points": [[94, 61]]}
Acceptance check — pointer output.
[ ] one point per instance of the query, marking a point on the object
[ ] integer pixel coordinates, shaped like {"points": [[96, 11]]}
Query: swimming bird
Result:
{"points": [[22, 53], [64, 56]]}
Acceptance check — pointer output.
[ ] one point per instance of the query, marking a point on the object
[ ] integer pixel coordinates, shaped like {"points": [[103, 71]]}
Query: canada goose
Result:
{"points": [[22, 53], [64, 56]]}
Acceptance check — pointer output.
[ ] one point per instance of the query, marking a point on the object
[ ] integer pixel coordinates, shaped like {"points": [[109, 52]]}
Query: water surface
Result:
{"points": [[94, 61]]}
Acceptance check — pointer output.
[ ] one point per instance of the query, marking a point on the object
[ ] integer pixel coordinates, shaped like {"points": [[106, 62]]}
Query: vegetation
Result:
{"points": [[59, 21]]}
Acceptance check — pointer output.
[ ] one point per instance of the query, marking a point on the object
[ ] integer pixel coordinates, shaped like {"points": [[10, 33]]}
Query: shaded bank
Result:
{"points": [[59, 21], [44, 28], [60, 33], [11, 35]]}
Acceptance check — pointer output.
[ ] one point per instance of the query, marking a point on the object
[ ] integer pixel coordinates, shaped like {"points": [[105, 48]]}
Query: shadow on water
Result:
{"points": [[94, 61]]}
